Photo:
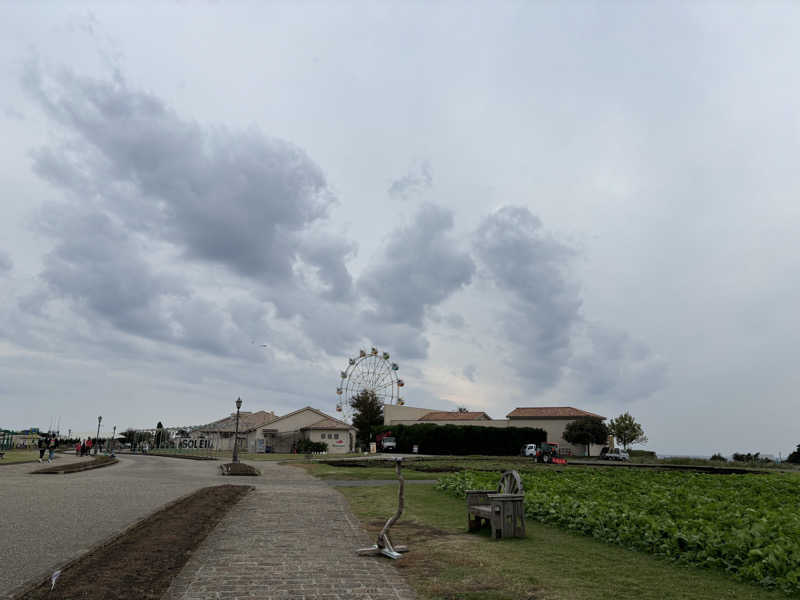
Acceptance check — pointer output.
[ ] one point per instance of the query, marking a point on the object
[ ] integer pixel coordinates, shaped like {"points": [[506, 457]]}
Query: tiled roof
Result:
{"points": [[247, 421], [329, 423], [455, 416], [550, 412]]}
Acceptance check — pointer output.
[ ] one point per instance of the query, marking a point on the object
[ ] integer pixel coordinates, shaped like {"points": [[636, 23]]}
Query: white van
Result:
{"points": [[529, 450]]}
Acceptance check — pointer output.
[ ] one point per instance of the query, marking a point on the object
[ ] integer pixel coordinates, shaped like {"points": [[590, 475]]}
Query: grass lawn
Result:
{"points": [[324, 471], [15, 456], [446, 563], [227, 454]]}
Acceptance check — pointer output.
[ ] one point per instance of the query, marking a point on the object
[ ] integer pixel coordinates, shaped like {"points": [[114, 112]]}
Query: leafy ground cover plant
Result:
{"points": [[746, 525]]}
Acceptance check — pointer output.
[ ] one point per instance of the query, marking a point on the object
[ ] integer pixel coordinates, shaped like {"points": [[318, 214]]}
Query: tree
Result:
{"points": [[586, 431], [368, 413], [462, 409], [626, 430], [794, 457]]}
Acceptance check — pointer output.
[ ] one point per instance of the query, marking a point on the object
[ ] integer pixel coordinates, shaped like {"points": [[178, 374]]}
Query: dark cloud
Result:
{"points": [[421, 266], [237, 198], [138, 178], [6, 264], [418, 179], [522, 260], [97, 263]]}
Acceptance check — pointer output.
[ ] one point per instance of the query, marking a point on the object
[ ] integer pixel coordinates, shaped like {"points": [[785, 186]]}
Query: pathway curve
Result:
{"points": [[293, 538]]}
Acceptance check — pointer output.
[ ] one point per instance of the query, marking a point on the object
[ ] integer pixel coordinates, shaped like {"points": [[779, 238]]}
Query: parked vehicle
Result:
{"points": [[616, 454], [548, 453], [528, 450], [388, 444]]}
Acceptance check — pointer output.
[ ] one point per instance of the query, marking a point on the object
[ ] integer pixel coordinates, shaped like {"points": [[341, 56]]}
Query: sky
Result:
{"points": [[587, 204]]}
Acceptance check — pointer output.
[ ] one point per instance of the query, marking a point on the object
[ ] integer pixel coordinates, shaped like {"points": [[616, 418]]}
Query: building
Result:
{"points": [[220, 433], [280, 434], [552, 419]]}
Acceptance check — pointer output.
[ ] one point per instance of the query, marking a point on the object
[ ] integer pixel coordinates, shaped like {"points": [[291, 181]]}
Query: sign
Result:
{"points": [[193, 443]]}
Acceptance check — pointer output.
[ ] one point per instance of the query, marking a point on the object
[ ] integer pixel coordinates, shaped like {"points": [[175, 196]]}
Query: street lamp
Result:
{"points": [[97, 437], [236, 435]]}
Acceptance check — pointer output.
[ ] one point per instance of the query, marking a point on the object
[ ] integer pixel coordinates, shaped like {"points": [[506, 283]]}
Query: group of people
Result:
{"points": [[47, 444], [84, 448]]}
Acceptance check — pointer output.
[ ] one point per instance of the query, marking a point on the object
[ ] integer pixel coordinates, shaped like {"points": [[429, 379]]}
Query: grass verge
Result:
{"points": [[142, 561], [445, 563], [18, 456], [325, 471]]}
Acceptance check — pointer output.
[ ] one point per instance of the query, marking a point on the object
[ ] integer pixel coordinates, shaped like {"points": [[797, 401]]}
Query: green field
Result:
{"points": [[745, 525], [446, 563]]}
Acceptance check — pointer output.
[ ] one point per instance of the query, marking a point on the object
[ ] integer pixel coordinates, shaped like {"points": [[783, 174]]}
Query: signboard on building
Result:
{"points": [[193, 443]]}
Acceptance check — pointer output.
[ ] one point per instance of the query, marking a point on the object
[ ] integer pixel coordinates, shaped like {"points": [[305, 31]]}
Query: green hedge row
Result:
{"points": [[463, 439]]}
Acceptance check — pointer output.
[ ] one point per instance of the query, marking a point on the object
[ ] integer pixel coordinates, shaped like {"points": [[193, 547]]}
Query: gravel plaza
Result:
{"points": [[293, 537]]}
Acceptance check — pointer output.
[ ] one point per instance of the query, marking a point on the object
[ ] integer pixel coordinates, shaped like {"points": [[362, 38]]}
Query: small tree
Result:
{"points": [[794, 457], [626, 430], [586, 431], [368, 413]]}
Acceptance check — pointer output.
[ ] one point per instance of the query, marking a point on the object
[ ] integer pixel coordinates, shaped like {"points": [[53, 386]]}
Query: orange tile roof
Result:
{"points": [[550, 412], [455, 416]]}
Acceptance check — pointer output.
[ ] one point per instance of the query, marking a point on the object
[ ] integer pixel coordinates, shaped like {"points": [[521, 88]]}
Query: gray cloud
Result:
{"points": [[521, 259], [421, 266], [470, 372], [418, 179], [96, 262], [616, 367], [6, 264], [241, 199]]}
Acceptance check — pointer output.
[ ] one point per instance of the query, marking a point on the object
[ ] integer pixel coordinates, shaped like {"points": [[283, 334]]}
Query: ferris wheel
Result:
{"points": [[371, 371]]}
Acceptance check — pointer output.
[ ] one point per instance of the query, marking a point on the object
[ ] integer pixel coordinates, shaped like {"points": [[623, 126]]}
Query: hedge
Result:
{"points": [[463, 439]]}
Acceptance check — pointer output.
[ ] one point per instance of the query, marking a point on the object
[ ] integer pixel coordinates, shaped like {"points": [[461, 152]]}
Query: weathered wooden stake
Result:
{"points": [[384, 545]]}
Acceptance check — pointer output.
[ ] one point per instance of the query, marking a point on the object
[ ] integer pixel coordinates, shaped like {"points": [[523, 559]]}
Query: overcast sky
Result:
{"points": [[526, 204]]}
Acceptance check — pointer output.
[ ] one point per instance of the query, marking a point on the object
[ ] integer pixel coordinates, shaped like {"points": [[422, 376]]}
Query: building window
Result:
{"points": [[336, 436]]}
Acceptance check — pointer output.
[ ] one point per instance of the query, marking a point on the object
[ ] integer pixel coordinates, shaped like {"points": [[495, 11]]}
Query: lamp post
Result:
{"points": [[97, 437], [113, 435], [236, 435]]}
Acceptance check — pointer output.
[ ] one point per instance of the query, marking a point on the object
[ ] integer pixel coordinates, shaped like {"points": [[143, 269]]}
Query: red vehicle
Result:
{"points": [[548, 452]]}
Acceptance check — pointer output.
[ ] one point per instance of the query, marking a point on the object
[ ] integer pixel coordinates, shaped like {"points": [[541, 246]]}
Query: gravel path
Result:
{"points": [[294, 538], [50, 519]]}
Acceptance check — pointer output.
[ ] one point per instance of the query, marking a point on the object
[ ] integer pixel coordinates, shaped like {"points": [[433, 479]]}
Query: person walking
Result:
{"points": [[51, 448], [42, 447], [89, 445], [78, 449]]}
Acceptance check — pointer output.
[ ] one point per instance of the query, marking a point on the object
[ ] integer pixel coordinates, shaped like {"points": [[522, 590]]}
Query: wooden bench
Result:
{"points": [[502, 508]]}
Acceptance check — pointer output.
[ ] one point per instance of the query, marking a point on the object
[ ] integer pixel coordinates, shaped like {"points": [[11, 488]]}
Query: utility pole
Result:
{"points": [[236, 435], [97, 437]]}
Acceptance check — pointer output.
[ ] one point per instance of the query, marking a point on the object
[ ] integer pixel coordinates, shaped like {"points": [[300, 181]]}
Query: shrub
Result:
{"points": [[719, 457], [794, 457], [463, 439], [309, 446]]}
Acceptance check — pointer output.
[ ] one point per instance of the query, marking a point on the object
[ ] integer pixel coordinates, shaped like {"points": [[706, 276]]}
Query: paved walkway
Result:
{"points": [[293, 538]]}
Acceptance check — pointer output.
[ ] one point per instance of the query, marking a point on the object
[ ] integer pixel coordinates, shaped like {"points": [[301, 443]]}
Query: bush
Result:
{"points": [[642, 454], [463, 439], [719, 457], [750, 458], [794, 457], [309, 446]]}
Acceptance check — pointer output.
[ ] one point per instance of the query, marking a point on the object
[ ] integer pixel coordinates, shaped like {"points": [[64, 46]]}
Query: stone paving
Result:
{"points": [[292, 538]]}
